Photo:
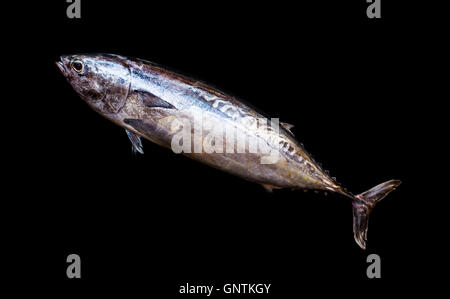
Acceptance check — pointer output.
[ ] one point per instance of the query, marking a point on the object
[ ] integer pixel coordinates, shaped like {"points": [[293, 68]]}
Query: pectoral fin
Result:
{"points": [[152, 101], [136, 142]]}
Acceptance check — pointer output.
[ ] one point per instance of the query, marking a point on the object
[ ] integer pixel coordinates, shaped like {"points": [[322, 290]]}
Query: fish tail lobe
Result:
{"points": [[363, 204]]}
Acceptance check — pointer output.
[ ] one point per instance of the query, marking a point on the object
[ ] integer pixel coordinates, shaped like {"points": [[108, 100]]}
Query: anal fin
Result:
{"points": [[269, 188]]}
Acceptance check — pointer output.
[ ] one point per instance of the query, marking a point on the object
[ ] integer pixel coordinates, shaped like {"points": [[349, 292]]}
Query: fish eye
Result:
{"points": [[78, 66]]}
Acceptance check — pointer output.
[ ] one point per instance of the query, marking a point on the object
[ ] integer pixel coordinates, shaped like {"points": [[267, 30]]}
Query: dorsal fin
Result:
{"points": [[287, 127]]}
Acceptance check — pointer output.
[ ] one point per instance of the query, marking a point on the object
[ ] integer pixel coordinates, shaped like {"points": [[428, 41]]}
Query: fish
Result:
{"points": [[171, 110]]}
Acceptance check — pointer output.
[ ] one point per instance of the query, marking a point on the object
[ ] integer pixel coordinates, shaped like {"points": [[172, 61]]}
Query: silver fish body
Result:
{"points": [[151, 102]]}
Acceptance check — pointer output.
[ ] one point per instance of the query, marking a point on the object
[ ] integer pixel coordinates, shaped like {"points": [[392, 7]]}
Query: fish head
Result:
{"points": [[102, 80]]}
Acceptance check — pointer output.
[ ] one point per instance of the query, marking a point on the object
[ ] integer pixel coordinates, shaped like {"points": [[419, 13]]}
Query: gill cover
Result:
{"points": [[115, 82]]}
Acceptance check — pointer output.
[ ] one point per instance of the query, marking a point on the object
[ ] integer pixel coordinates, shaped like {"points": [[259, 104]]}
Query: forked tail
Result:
{"points": [[363, 204]]}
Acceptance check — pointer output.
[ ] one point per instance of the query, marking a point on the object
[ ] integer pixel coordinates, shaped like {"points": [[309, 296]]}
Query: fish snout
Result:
{"points": [[63, 64]]}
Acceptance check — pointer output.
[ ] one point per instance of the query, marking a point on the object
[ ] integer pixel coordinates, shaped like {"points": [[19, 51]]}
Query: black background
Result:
{"points": [[148, 224]]}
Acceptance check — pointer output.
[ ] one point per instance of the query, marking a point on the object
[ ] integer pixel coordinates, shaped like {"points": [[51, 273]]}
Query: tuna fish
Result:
{"points": [[175, 111]]}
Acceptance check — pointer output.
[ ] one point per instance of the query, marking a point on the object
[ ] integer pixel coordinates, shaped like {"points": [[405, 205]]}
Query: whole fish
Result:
{"points": [[172, 110]]}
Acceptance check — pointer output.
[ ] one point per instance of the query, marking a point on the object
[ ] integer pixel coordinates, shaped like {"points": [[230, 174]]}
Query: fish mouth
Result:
{"points": [[61, 66]]}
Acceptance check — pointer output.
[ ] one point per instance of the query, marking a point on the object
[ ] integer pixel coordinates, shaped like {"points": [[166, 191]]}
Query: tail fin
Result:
{"points": [[362, 206]]}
